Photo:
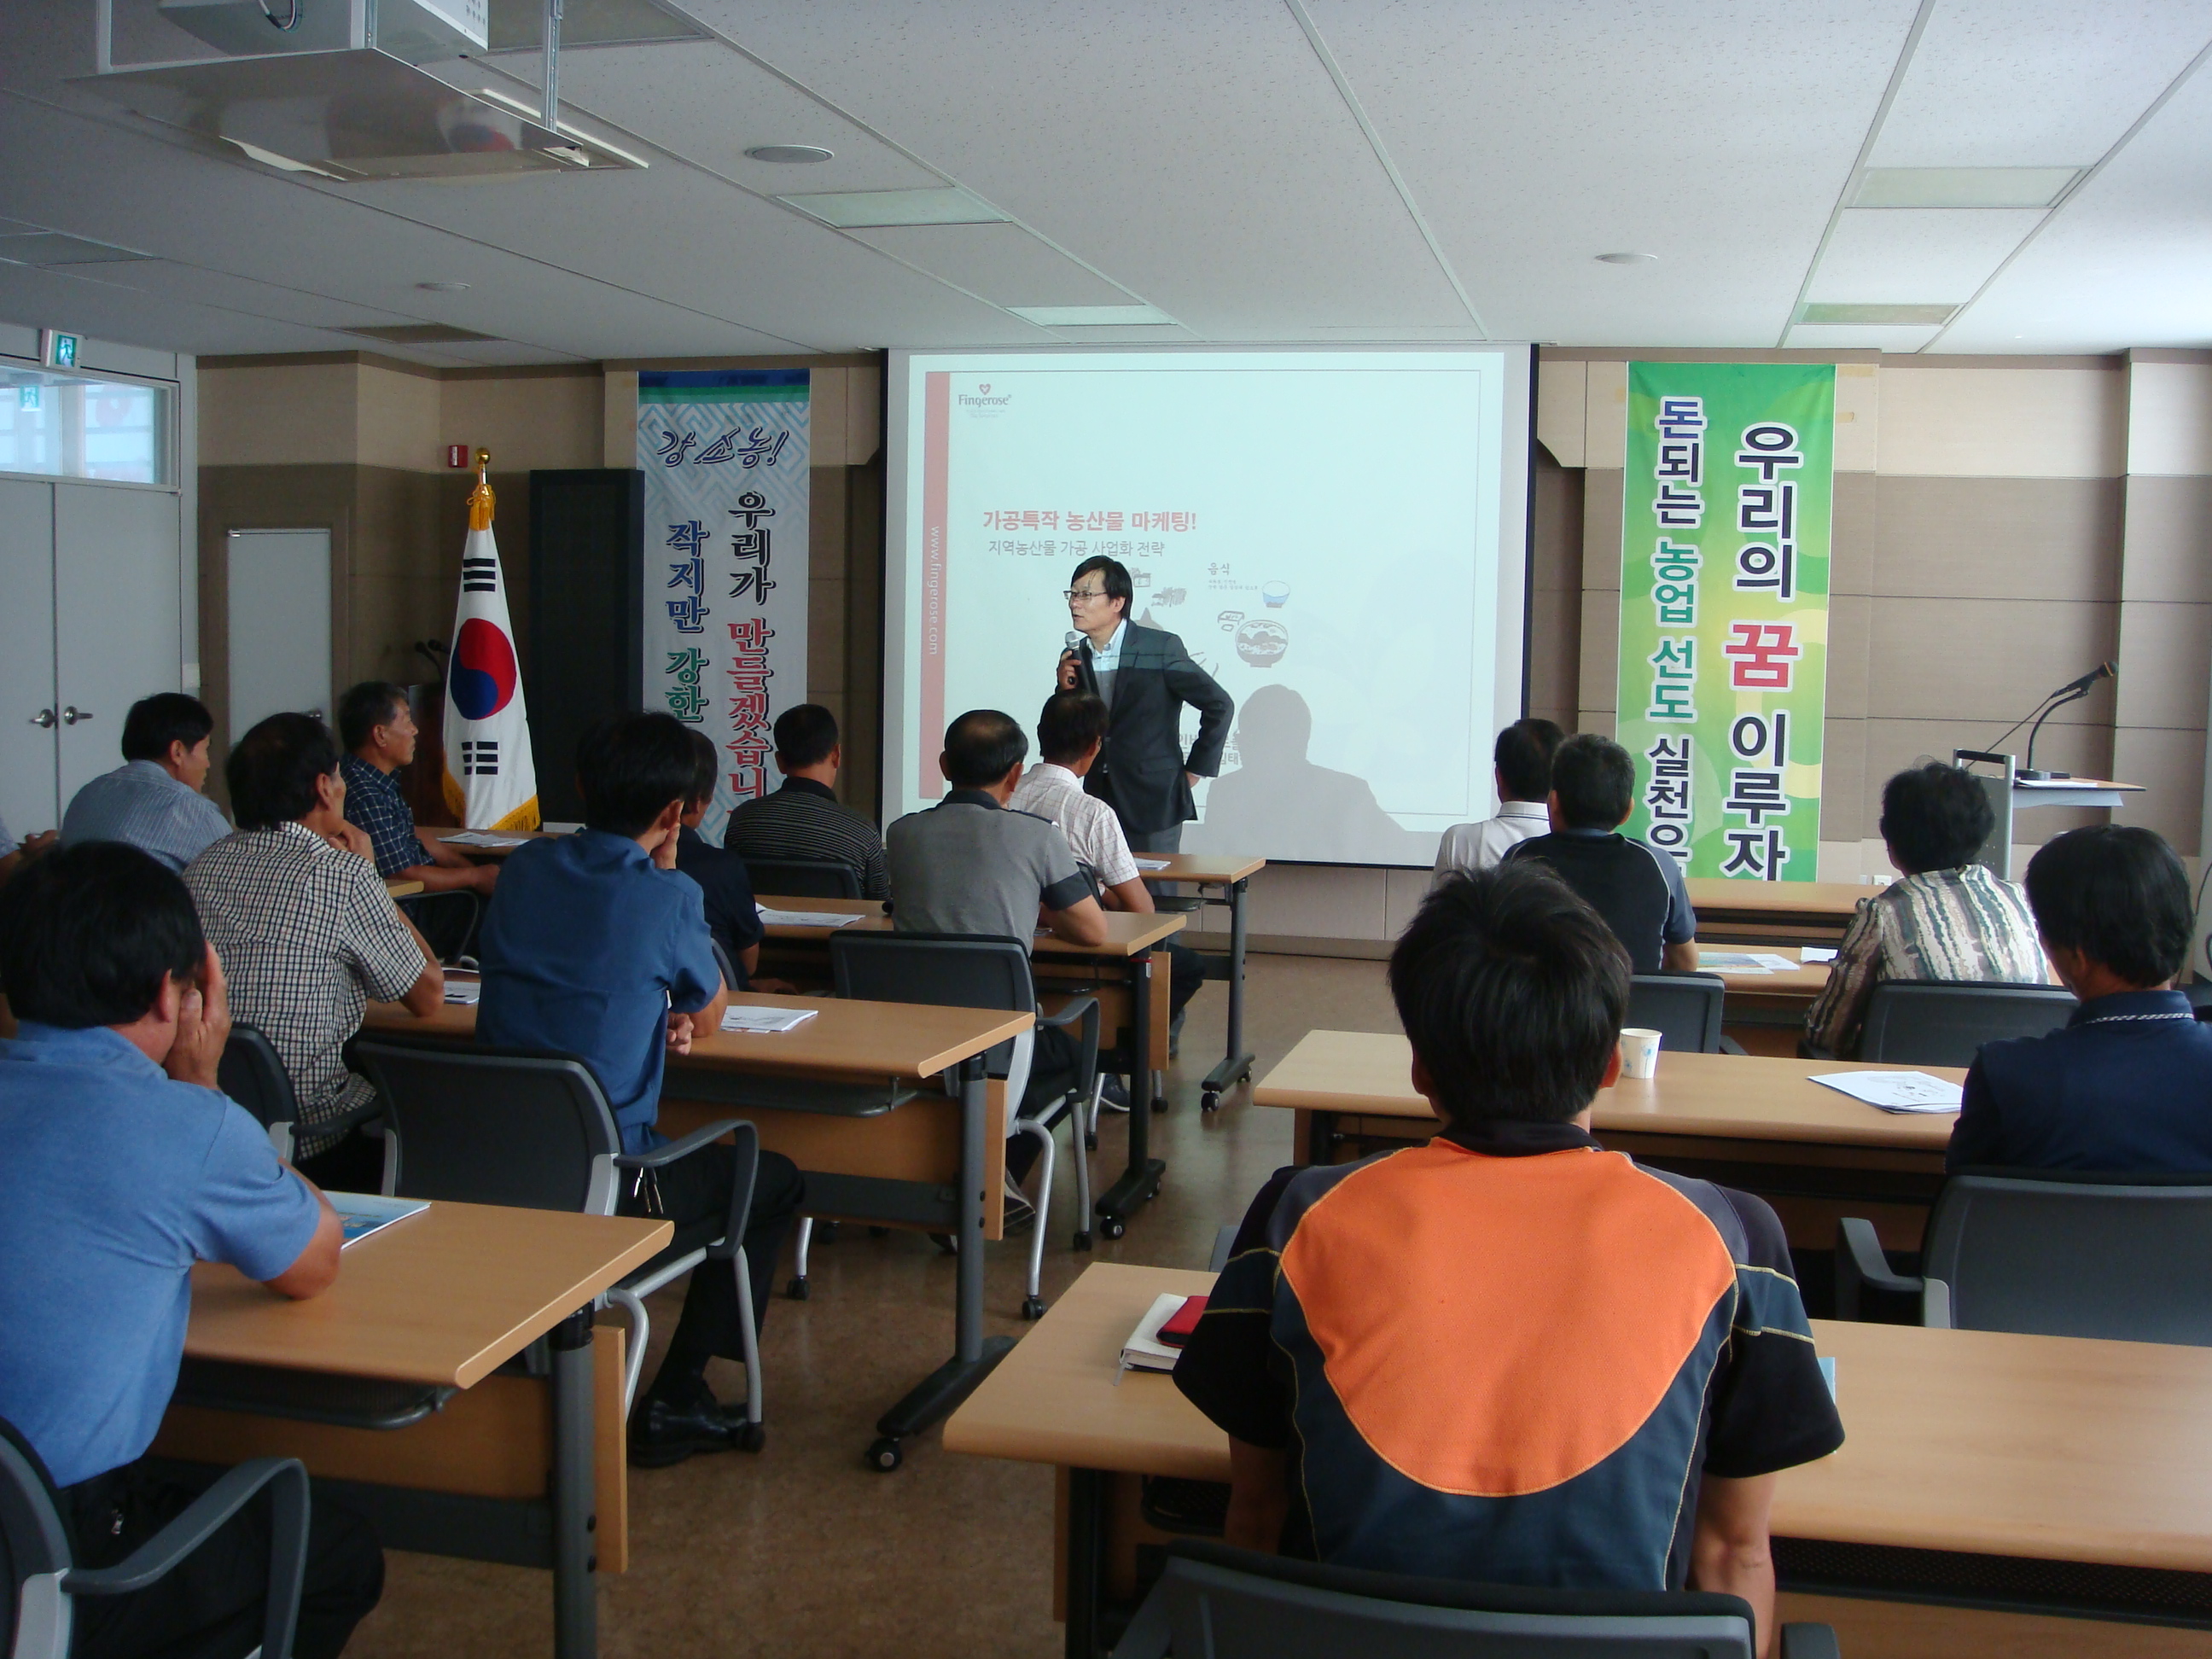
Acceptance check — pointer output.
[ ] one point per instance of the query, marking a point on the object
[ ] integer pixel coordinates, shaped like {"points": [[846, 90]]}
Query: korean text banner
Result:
{"points": [[1724, 612], [724, 457]]}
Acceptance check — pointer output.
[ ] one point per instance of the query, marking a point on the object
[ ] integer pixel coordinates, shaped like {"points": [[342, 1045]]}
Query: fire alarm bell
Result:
{"points": [[457, 455]]}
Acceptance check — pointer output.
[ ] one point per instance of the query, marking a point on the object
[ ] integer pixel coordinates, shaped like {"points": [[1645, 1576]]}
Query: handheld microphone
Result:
{"points": [[1075, 642]]}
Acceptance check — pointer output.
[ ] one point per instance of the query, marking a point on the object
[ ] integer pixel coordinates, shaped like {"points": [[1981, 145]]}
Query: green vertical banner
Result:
{"points": [[1724, 612]]}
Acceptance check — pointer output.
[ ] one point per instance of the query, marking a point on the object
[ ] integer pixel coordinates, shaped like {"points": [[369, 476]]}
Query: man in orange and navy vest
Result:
{"points": [[1509, 1355]]}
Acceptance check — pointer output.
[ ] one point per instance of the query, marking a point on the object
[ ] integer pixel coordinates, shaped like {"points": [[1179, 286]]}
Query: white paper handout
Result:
{"points": [[360, 1214], [1816, 953], [463, 991], [484, 838], [805, 918], [1150, 864], [764, 1019], [1733, 961], [1895, 1091], [1773, 961], [1143, 1351]]}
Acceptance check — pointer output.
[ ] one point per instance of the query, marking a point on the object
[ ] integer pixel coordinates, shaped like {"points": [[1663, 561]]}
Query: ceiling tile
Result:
{"points": [[1004, 264], [1918, 255], [1811, 336]]}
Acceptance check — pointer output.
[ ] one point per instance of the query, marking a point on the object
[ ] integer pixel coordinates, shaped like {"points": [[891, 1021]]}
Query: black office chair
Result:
{"points": [[969, 970], [804, 878], [40, 1587], [2053, 1253], [1229, 1603], [253, 1074], [1934, 1022], [448, 919], [1685, 1009], [533, 1130]]}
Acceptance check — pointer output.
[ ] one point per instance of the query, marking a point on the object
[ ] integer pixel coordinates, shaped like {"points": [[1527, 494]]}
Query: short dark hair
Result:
{"points": [[1070, 723], [272, 770], [1116, 575], [705, 769], [804, 735], [982, 747], [1512, 991], [2117, 894], [1523, 756], [155, 722], [1594, 780], [366, 707], [89, 934], [1935, 817], [630, 767]]}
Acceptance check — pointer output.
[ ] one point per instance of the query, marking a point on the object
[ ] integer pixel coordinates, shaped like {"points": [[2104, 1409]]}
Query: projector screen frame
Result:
{"points": [[1518, 438]]}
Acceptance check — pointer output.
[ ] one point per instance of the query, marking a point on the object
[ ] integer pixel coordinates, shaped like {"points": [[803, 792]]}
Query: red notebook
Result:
{"points": [[1178, 1330]]}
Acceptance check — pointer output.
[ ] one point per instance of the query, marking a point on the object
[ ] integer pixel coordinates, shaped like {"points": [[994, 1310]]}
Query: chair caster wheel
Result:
{"points": [[1159, 1105], [1209, 1102], [1081, 1241], [751, 1437], [1112, 1225], [796, 1290], [1090, 1143], [1032, 1308], [825, 1232], [884, 1455]]}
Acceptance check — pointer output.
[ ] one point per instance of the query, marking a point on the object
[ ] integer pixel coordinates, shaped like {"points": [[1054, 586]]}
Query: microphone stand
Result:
{"points": [[2028, 772]]}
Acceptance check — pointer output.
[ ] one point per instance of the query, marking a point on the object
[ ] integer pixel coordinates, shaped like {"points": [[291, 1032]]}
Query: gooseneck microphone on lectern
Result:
{"points": [[2072, 691]]}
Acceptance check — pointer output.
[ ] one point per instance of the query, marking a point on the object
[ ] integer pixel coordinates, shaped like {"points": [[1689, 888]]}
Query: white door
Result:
{"points": [[30, 720], [116, 616], [280, 625]]}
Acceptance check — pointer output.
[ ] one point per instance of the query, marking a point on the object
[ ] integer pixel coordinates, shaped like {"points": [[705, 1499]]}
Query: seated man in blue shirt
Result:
{"points": [[596, 945], [126, 1165], [154, 799], [2126, 1087]]}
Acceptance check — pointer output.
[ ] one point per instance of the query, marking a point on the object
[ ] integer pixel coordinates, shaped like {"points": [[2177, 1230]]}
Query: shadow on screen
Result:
{"points": [[1279, 804]]}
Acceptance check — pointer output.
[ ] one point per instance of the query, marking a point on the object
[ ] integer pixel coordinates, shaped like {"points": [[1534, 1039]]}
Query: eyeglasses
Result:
{"points": [[1082, 593]]}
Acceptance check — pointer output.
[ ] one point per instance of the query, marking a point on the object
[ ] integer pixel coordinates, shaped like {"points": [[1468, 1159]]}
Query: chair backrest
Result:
{"points": [[251, 1074], [722, 962], [950, 970], [497, 1126], [1933, 1023], [1231, 1604], [804, 878], [34, 1554], [2058, 1254], [1685, 1009]]}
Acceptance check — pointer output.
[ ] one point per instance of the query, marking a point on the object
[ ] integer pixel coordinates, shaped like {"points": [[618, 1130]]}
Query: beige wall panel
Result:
{"points": [[1598, 720], [399, 424], [1561, 391], [1605, 417], [2169, 417], [1601, 505], [827, 390], [2170, 766], [1555, 655], [2169, 540], [1853, 523], [2003, 422], [390, 613], [1893, 746], [1850, 622], [1970, 662], [1858, 417], [619, 411], [2020, 538], [2167, 651], [529, 422], [300, 415], [1402, 893], [864, 414], [1843, 781], [1315, 901], [1599, 678], [1555, 551]]}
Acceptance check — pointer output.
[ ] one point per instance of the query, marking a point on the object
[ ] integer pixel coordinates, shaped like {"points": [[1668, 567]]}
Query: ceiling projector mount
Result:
{"points": [[340, 88]]}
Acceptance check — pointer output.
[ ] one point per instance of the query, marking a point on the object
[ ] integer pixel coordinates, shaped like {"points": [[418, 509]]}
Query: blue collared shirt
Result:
{"points": [[1109, 661], [140, 803], [2126, 1087], [375, 807], [586, 945], [116, 1180]]}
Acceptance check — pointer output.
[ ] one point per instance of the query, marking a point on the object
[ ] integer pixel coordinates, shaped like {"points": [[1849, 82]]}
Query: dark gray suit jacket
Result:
{"points": [[1141, 771]]}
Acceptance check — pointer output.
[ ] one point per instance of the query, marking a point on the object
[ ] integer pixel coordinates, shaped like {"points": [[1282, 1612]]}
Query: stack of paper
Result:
{"points": [[1815, 953], [363, 1213], [1150, 864], [484, 839], [1143, 1351], [764, 1019], [463, 991], [805, 918], [1895, 1091], [1744, 962]]}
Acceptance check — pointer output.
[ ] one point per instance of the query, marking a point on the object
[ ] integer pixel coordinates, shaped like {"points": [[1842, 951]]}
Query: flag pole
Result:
{"points": [[481, 499]]}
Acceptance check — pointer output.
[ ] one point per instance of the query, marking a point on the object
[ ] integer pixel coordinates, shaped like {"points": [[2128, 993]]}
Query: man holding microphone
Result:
{"points": [[1145, 675]]}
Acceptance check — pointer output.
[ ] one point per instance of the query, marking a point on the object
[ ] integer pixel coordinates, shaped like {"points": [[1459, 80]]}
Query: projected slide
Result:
{"points": [[1336, 536]]}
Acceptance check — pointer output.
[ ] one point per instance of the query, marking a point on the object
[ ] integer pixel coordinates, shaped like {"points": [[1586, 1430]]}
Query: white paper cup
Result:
{"points": [[1639, 1051]]}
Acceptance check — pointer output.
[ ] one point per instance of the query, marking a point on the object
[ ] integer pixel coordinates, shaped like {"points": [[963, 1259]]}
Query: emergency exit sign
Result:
{"points": [[60, 349]]}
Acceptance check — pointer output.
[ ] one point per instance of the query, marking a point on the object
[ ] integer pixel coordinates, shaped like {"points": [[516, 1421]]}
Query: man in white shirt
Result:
{"points": [[1523, 771]]}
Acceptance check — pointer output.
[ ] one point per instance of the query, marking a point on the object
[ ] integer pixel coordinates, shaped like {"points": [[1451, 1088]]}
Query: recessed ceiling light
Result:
{"points": [[1877, 316], [443, 287], [1963, 187], [1093, 316], [790, 153], [1626, 258], [861, 210]]}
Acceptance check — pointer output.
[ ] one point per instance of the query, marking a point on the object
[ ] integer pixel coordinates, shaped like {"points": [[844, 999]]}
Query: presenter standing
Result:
{"points": [[1145, 675]]}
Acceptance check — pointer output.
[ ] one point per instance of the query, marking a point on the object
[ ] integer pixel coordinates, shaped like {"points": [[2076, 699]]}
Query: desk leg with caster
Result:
{"points": [[973, 1353], [1140, 1181], [1236, 1065], [575, 1522]]}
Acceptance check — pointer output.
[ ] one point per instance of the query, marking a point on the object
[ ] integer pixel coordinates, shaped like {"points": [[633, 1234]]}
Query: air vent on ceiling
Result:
{"points": [[1878, 316], [1963, 187], [50, 247], [418, 334]]}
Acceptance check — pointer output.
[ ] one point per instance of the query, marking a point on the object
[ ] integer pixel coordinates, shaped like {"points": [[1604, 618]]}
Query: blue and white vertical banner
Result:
{"points": [[725, 455]]}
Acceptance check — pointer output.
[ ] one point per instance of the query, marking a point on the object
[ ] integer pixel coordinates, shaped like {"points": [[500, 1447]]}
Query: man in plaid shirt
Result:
{"points": [[377, 730]]}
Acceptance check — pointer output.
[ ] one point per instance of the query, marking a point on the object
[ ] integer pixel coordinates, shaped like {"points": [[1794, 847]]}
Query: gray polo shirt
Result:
{"points": [[970, 865]]}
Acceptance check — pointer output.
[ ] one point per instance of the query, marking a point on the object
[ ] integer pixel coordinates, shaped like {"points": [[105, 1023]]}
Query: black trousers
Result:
{"points": [[211, 1605], [694, 1194]]}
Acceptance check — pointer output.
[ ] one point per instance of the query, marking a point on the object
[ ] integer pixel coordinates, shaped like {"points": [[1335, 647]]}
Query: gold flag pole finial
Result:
{"points": [[480, 498]]}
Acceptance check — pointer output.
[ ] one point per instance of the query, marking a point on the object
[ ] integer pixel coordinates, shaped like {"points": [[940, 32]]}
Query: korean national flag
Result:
{"points": [[490, 782]]}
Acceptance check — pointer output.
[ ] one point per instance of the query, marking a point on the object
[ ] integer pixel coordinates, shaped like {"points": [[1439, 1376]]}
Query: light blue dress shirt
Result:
{"points": [[142, 803]]}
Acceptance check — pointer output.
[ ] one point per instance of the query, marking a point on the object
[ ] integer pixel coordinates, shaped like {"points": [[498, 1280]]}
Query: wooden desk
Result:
{"points": [[1747, 1120], [1787, 912], [1229, 871], [1124, 963], [839, 1095], [1980, 1445], [440, 1300], [400, 890], [445, 832]]}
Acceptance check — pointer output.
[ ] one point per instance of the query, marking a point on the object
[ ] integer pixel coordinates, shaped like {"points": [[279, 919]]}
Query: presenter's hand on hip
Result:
{"points": [[1067, 670], [203, 1026]]}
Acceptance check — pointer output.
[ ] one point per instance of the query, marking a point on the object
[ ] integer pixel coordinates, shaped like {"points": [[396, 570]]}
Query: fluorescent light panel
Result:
{"points": [[1878, 316], [1093, 316], [861, 210], [1963, 187]]}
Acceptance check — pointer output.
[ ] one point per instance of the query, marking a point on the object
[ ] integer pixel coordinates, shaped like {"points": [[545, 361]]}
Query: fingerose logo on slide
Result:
{"points": [[980, 405]]}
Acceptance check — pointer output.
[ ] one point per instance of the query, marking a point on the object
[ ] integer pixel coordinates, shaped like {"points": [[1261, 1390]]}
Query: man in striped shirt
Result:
{"points": [[804, 819], [1947, 918]]}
